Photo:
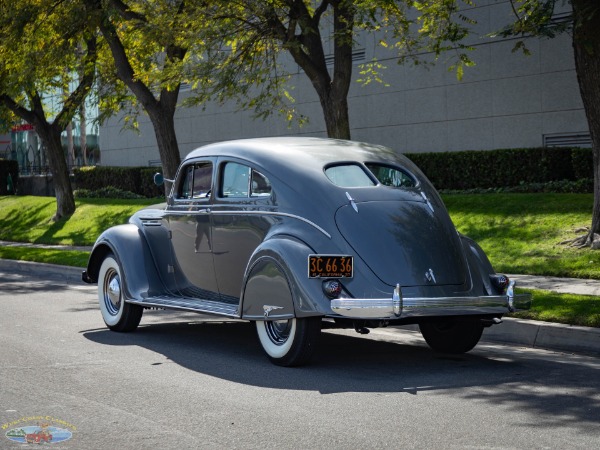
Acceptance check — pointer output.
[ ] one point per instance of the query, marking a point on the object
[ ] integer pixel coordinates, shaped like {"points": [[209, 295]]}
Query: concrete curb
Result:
{"points": [[546, 335], [67, 274], [527, 333]]}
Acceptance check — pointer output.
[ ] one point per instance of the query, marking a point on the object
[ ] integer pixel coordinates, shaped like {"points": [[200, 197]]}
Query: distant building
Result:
{"points": [[23, 144], [507, 100]]}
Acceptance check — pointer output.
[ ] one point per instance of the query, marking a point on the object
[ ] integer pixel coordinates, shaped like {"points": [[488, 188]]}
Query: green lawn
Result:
{"points": [[521, 233], [27, 219]]}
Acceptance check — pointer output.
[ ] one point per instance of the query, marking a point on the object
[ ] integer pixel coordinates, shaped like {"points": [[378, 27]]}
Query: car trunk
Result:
{"points": [[404, 242]]}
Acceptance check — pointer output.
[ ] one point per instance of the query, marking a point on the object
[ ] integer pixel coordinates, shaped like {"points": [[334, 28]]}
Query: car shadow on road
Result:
{"points": [[344, 363]]}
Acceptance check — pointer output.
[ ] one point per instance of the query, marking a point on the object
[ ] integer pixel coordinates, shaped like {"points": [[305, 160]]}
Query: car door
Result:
{"points": [[240, 223], [189, 220]]}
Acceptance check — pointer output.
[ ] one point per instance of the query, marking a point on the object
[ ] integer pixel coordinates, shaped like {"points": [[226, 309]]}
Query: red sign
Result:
{"points": [[23, 127]]}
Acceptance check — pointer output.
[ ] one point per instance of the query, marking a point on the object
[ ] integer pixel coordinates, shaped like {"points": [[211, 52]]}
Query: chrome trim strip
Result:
{"points": [[190, 304], [388, 308], [397, 301], [352, 202], [255, 213], [271, 317], [151, 222]]}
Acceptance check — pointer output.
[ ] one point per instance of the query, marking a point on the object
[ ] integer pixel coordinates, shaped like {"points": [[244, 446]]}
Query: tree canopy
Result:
{"points": [[248, 40], [148, 53], [44, 47]]}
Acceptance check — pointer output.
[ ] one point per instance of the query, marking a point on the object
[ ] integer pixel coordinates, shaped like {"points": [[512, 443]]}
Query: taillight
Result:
{"points": [[332, 288], [500, 282]]}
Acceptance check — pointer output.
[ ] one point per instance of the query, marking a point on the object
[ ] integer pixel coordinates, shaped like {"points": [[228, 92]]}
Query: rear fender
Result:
{"points": [[479, 266], [131, 251], [276, 284]]}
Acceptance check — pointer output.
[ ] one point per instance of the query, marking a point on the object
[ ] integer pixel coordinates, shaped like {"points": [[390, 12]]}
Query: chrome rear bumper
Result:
{"points": [[397, 306]]}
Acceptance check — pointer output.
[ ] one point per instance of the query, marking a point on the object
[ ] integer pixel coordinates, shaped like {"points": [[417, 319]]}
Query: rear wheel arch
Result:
{"points": [[288, 256], [267, 291], [271, 298]]}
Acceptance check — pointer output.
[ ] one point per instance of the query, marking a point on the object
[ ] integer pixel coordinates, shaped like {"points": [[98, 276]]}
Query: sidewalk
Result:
{"points": [[560, 285], [526, 333]]}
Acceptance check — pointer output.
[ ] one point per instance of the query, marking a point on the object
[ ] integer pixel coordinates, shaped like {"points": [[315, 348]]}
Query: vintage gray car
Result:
{"points": [[298, 234]]}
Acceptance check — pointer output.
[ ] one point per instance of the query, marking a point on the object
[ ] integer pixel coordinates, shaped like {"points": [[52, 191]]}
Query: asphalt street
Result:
{"points": [[187, 381]]}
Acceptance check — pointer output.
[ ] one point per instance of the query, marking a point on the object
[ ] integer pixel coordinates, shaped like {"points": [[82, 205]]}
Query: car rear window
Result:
{"points": [[391, 176], [349, 175]]}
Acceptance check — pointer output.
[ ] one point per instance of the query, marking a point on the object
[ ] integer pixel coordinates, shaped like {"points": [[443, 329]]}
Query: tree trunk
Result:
{"points": [[332, 91], [586, 43], [168, 149], [50, 137], [335, 112]]}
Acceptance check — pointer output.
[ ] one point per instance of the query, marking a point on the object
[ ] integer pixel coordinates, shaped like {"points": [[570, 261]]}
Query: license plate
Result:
{"points": [[330, 266]]}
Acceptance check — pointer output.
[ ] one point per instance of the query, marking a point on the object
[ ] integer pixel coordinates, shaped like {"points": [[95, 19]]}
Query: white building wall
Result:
{"points": [[507, 100]]}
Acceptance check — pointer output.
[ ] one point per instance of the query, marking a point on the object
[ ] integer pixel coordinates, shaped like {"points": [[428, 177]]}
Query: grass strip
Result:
{"points": [[571, 309], [73, 258]]}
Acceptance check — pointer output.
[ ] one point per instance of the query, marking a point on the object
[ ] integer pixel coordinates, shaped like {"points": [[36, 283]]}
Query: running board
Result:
{"points": [[189, 304]]}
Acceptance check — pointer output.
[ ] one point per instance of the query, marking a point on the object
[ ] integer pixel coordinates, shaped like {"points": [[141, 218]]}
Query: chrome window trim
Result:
{"points": [[250, 213]]}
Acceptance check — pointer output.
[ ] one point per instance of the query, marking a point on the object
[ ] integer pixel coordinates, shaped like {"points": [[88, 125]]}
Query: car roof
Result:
{"points": [[300, 152]]}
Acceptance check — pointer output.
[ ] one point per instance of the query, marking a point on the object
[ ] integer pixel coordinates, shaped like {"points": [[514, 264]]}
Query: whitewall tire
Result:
{"points": [[117, 314], [289, 342]]}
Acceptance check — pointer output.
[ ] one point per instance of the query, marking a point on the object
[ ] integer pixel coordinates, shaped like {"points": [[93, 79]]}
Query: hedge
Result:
{"points": [[478, 169], [139, 180], [8, 166], [504, 168]]}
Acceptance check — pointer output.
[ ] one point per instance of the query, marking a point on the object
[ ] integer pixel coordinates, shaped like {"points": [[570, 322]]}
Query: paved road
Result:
{"points": [[182, 381]]}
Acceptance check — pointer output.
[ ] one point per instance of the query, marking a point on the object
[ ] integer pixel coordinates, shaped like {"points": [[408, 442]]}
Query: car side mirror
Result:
{"points": [[159, 180]]}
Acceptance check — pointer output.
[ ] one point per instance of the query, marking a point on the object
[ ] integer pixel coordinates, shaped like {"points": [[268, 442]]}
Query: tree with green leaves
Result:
{"points": [[146, 41], [535, 18], [247, 39], [39, 62]]}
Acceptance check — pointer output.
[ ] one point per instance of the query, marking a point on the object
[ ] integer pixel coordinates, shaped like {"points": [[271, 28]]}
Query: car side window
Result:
{"points": [[202, 180], [241, 181], [196, 181], [235, 181]]}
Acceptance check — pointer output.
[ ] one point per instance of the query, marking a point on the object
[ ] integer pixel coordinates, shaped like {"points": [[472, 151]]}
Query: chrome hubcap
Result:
{"points": [[278, 331], [112, 292]]}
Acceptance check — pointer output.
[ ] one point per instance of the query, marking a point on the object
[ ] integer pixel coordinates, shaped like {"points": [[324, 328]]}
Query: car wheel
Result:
{"points": [[452, 335], [117, 314], [289, 342]]}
